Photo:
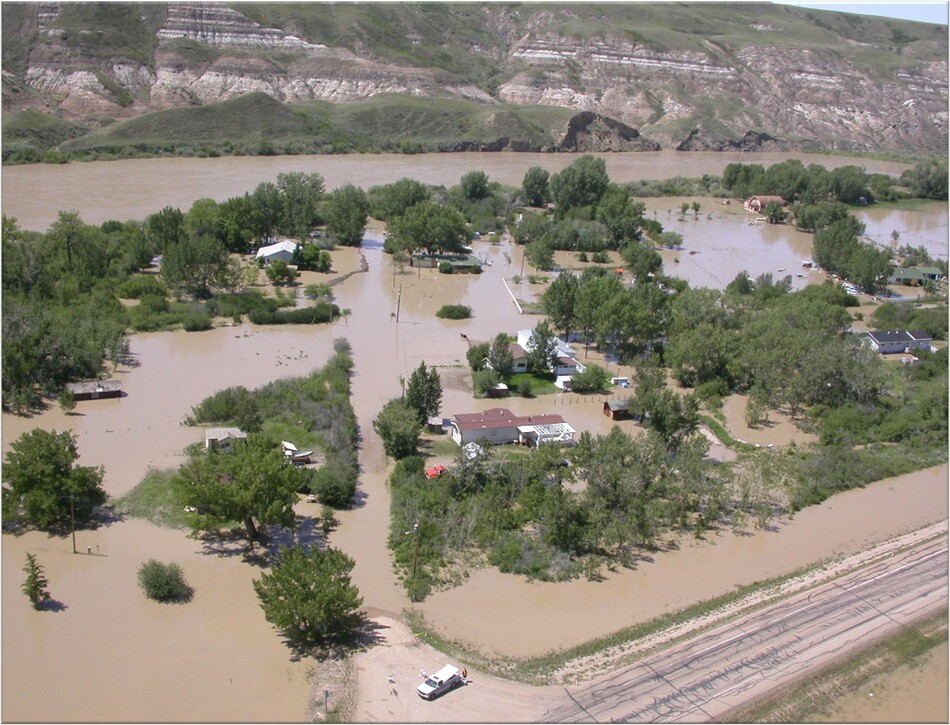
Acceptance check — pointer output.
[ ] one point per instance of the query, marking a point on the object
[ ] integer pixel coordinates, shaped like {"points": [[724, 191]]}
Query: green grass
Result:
{"points": [[290, 432], [539, 385], [152, 499]]}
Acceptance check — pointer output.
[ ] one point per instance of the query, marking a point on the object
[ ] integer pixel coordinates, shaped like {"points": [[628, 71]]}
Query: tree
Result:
{"points": [[424, 392], [300, 194], [477, 355], [541, 350], [67, 231], [42, 484], [279, 272], [399, 427], [582, 184], [164, 582], [308, 596], [36, 582], [319, 291], [535, 186], [392, 200], [474, 185], [696, 206], [311, 257], [195, 267], [774, 212], [642, 260], [541, 254], [166, 227], [253, 484], [202, 219], [484, 380], [558, 300], [67, 401], [500, 358], [429, 226], [592, 380], [346, 210]]}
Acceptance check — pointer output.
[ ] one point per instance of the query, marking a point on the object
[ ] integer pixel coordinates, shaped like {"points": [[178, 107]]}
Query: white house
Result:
{"points": [[500, 425], [891, 341], [567, 363], [223, 439], [283, 250]]}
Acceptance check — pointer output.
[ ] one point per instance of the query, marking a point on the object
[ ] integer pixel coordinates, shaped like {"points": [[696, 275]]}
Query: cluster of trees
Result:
{"points": [[812, 184], [400, 421], [62, 318], [511, 507], [317, 407], [591, 213]]}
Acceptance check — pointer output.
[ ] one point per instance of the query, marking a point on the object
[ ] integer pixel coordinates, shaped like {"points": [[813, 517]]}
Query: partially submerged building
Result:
{"points": [[223, 439], [499, 426], [95, 389]]}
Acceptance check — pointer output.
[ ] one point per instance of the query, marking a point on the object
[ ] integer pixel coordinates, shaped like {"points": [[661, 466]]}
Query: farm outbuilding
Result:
{"points": [[95, 389]]}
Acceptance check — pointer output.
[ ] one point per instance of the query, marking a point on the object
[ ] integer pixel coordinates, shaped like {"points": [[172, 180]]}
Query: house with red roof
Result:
{"points": [[499, 425]]}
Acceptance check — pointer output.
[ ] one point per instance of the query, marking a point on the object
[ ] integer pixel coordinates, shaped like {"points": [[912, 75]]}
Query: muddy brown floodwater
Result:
{"points": [[111, 655]]}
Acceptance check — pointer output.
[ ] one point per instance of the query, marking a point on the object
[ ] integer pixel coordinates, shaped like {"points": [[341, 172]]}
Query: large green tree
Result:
{"points": [[535, 186], [300, 194], [500, 358], [430, 226], [424, 391], [558, 301], [42, 486], [309, 597], [252, 485], [398, 426], [346, 211], [582, 184]]}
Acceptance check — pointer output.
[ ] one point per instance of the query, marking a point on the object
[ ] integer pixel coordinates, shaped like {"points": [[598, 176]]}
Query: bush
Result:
{"points": [[319, 313], [524, 388], [135, 288], [454, 312], [164, 582], [196, 322], [446, 268]]}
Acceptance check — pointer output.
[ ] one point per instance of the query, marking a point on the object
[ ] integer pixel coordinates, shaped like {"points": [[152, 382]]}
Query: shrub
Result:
{"points": [[196, 322], [524, 388], [164, 582], [135, 288], [446, 268], [454, 312]]}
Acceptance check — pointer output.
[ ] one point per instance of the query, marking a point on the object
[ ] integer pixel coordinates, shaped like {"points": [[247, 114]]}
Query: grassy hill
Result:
{"points": [[256, 123]]}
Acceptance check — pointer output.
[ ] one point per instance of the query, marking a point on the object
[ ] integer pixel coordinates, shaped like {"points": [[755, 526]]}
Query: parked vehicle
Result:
{"points": [[448, 678], [435, 472]]}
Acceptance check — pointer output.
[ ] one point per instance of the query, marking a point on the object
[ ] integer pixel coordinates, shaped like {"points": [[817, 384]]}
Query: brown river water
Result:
{"points": [[112, 655]]}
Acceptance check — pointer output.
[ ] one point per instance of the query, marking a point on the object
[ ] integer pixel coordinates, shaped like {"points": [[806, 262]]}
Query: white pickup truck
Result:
{"points": [[447, 678]]}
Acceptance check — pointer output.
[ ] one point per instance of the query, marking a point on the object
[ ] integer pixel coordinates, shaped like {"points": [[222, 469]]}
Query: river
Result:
{"points": [[133, 189]]}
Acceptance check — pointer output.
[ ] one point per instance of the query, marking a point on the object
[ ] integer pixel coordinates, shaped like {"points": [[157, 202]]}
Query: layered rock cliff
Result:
{"points": [[753, 89]]}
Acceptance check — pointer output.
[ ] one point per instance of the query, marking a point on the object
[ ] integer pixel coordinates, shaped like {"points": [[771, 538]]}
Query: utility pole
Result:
{"points": [[72, 521], [398, 303], [415, 550]]}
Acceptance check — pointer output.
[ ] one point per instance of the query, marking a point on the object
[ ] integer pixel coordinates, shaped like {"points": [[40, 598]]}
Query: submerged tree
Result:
{"points": [[253, 485], [36, 582], [308, 596], [424, 391], [43, 487]]}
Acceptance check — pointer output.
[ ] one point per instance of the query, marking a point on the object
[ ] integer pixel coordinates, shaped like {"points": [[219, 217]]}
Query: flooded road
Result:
{"points": [[111, 655]]}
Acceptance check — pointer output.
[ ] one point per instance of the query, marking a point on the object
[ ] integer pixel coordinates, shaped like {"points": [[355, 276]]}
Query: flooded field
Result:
{"points": [[921, 690], [111, 655]]}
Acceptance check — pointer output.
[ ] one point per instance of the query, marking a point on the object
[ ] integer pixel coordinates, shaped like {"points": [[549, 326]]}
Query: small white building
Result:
{"points": [[223, 439], [283, 250]]}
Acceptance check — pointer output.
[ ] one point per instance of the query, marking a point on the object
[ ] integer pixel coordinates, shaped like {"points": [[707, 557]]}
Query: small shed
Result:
{"points": [[223, 439], [95, 389], [617, 409]]}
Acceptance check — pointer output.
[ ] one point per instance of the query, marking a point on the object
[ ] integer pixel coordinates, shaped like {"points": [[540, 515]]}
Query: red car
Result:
{"points": [[435, 472]]}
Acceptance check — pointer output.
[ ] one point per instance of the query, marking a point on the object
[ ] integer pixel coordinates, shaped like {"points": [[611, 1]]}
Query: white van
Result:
{"points": [[447, 678]]}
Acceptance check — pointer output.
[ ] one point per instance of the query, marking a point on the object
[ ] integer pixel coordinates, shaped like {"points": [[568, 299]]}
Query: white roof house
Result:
{"points": [[283, 249], [567, 363], [223, 439]]}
